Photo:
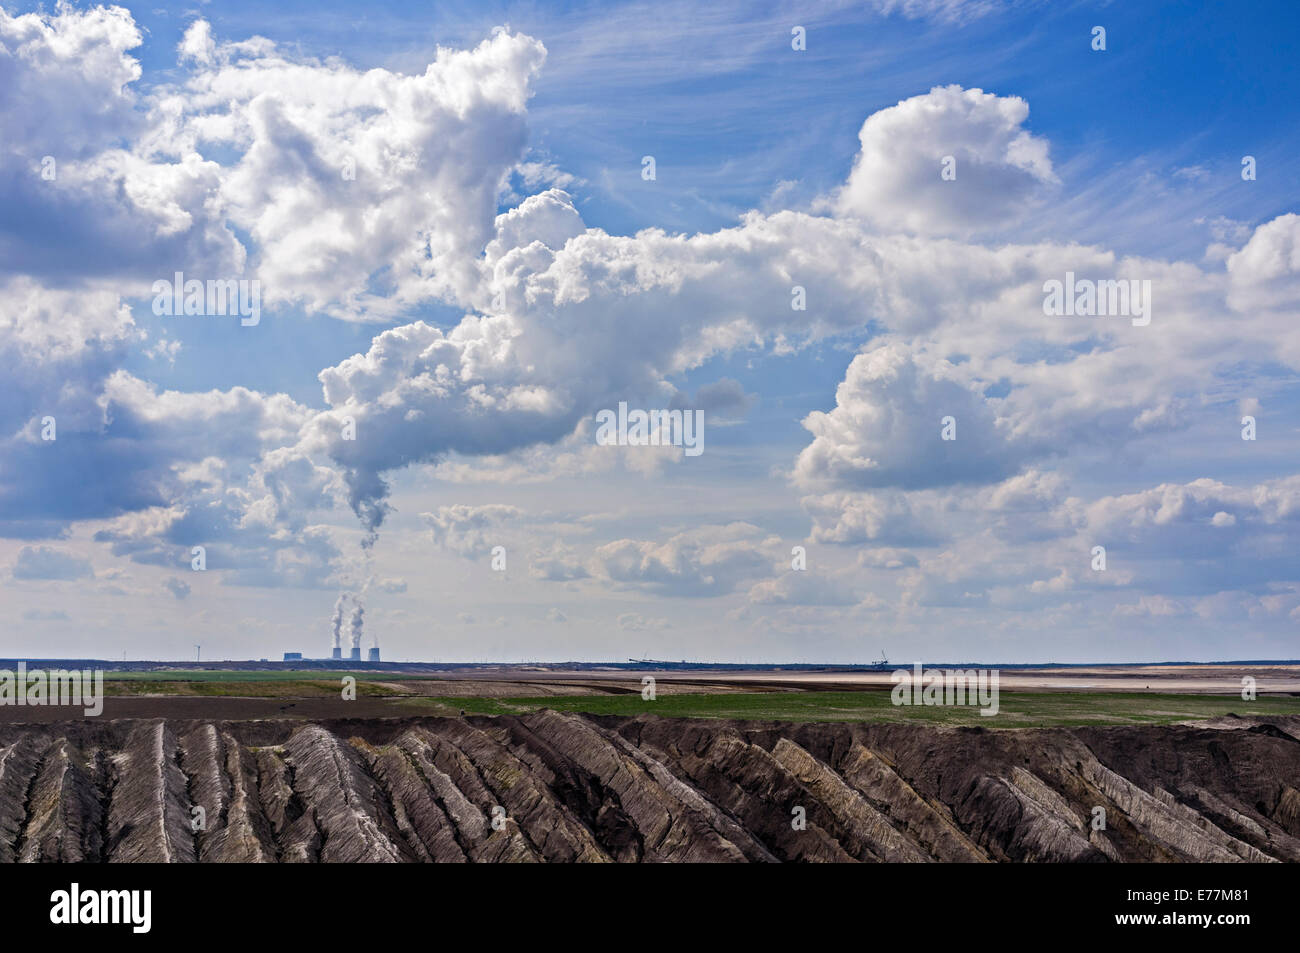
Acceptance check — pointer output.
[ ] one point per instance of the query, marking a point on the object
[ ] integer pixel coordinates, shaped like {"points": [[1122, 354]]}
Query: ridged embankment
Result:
{"points": [[548, 787]]}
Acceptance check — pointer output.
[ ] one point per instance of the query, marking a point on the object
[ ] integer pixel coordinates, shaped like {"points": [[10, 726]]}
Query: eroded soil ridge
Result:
{"points": [[549, 787]]}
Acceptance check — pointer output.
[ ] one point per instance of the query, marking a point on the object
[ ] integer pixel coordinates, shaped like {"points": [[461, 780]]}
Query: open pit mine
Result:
{"points": [[548, 787]]}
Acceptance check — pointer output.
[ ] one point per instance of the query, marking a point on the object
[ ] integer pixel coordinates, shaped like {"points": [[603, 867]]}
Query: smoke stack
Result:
{"points": [[336, 625], [358, 620]]}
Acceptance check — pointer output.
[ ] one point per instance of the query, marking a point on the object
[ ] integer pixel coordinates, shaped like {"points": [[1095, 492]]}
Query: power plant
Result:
{"points": [[358, 614], [356, 627]]}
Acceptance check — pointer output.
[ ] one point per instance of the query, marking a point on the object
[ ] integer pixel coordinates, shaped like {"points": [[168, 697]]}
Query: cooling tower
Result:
{"points": [[374, 654], [356, 654], [338, 653]]}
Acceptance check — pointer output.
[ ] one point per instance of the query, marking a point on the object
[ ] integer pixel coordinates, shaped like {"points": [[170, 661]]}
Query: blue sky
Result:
{"points": [[498, 270], [715, 94]]}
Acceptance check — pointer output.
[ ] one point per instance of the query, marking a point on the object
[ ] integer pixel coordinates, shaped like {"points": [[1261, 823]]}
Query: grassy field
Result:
{"points": [[1017, 709], [231, 675], [255, 685]]}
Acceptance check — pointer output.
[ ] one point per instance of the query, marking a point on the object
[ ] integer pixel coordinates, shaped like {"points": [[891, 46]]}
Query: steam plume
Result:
{"points": [[358, 615], [337, 622]]}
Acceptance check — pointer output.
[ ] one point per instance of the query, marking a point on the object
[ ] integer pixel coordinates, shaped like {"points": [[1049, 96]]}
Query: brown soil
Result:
{"points": [[558, 788]]}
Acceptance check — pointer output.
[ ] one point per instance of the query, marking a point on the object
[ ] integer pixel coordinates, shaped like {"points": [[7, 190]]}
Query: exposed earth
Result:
{"points": [[556, 787]]}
